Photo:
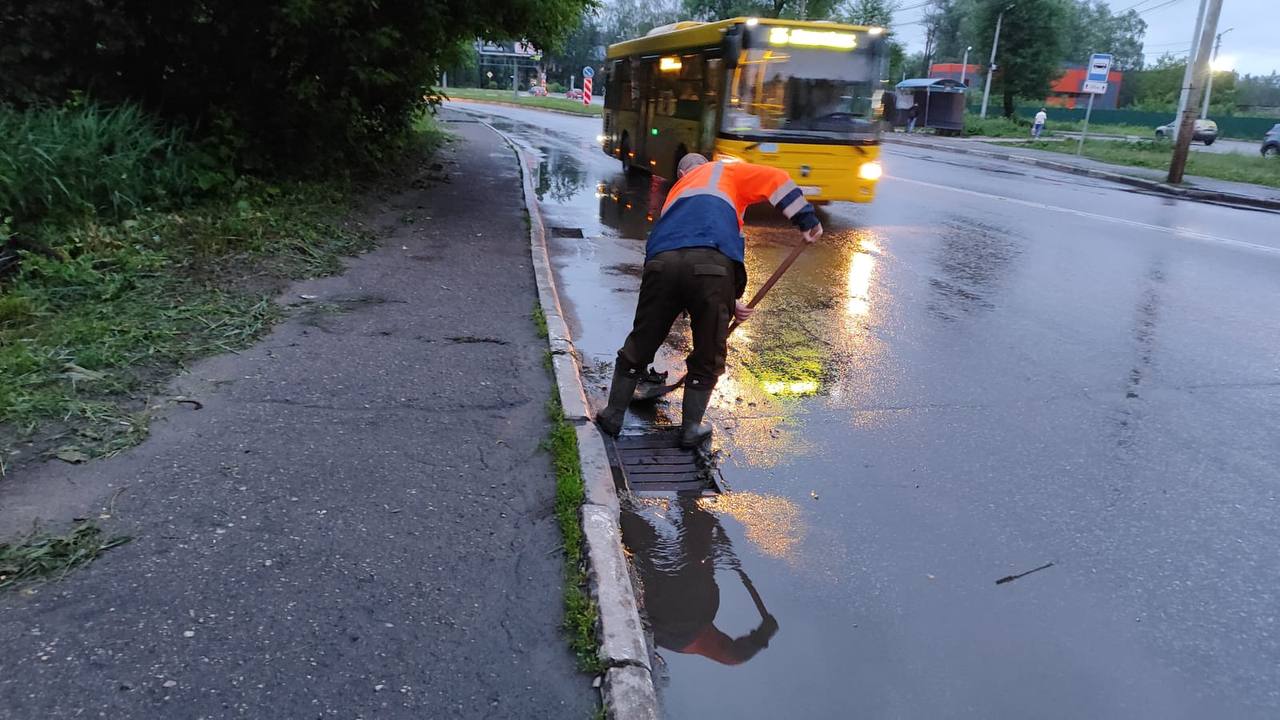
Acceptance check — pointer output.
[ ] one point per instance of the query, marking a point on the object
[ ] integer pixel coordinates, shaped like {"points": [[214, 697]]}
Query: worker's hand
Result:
{"points": [[812, 234], [741, 312]]}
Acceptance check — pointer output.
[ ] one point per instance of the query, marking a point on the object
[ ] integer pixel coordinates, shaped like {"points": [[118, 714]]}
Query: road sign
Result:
{"points": [[588, 72], [1095, 80], [586, 90], [1099, 67]]}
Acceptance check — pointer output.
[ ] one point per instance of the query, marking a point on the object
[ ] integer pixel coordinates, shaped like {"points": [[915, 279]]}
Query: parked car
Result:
{"points": [[1206, 131], [1271, 142], [538, 91], [574, 94]]}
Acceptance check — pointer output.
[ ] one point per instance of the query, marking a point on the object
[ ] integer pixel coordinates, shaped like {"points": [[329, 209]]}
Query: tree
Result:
{"points": [[799, 9], [285, 81], [581, 48], [1030, 51], [1090, 27], [626, 19], [870, 12]]}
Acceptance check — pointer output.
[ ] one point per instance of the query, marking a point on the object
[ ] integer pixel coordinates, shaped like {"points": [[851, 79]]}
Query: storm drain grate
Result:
{"points": [[566, 232], [655, 462]]}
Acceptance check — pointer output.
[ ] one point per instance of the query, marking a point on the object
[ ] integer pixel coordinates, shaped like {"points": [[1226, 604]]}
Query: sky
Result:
{"points": [[1253, 46]]}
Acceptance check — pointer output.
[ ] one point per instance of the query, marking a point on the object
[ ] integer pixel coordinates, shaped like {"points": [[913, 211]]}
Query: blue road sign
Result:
{"points": [[1099, 67], [589, 71]]}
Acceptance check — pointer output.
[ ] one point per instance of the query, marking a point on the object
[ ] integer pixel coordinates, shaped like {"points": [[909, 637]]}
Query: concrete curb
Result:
{"points": [[526, 107], [628, 688], [1209, 196]]}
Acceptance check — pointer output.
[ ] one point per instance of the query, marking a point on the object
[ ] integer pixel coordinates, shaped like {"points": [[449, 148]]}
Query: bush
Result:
{"points": [[996, 126], [555, 87], [83, 159], [492, 85], [275, 82]]}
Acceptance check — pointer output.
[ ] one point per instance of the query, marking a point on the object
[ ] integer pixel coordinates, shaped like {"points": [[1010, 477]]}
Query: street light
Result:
{"points": [[964, 65], [991, 64], [1214, 67]]}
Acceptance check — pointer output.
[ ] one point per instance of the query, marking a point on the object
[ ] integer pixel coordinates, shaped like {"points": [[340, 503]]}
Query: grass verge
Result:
{"points": [[504, 96], [100, 306], [580, 613], [41, 556], [1151, 154]]}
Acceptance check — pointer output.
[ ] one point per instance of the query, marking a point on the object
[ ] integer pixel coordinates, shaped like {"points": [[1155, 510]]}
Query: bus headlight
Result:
{"points": [[870, 170], [601, 138]]}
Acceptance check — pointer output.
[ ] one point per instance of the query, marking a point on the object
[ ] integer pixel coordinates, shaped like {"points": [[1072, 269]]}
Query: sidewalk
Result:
{"points": [[1194, 187], [357, 523]]}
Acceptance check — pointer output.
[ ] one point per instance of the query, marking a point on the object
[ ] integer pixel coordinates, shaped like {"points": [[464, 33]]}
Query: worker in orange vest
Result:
{"points": [[694, 263]]}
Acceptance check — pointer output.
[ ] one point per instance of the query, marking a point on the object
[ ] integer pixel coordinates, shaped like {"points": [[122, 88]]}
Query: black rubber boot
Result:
{"points": [[621, 389], [693, 431]]}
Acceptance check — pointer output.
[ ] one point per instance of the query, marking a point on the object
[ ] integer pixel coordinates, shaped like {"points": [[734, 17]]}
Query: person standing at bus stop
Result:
{"points": [[912, 114], [694, 263], [1037, 127]]}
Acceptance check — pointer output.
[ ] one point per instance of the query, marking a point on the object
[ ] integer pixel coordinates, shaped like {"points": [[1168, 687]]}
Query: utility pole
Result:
{"points": [[1186, 72], [1208, 89], [1187, 121], [964, 66], [991, 64]]}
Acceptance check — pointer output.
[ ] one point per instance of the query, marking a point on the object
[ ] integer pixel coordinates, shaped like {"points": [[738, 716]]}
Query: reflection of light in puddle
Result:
{"points": [[860, 266], [772, 522], [799, 387]]}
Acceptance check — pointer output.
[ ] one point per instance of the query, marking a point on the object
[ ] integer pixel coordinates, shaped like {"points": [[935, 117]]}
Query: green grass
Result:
{"points": [[1150, 154], [117, 269], [82, 159], [1020, 127], [40, 556], [114, 308], [540, 322], [504, 96], [580, 613]]}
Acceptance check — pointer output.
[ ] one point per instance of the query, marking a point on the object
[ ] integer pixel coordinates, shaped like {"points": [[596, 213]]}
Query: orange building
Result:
{"points": [[1065, 91]]}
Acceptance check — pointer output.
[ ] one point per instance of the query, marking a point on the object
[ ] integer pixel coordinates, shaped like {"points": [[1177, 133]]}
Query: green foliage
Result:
{"points": [[294, 82], [1150, 154], [996, 126], [870, 12], [40, 556], [105, 309], [1030, 50], [581, 615], [1089, 27], [505, 97], [81, 159]]}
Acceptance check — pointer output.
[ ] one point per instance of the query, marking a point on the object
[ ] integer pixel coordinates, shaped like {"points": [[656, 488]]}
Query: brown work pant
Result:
{"points": [[702, 281]]}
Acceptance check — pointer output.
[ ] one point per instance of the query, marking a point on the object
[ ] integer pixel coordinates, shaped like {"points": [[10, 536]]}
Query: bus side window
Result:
{"points": [[713, 83]]}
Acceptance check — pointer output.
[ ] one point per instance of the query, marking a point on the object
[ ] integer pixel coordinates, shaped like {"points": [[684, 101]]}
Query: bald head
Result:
{"points": [[689, 162]]}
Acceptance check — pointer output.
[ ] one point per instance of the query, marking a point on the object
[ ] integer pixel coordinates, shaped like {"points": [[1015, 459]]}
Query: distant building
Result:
{"points": [[1065, 91]]}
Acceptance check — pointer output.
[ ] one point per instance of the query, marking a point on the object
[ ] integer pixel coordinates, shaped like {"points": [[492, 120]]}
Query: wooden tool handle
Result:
{"points": [[773, 279]]}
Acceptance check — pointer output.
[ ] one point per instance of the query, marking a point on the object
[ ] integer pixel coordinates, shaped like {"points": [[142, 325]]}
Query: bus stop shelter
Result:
{"points": [[939, 103]]}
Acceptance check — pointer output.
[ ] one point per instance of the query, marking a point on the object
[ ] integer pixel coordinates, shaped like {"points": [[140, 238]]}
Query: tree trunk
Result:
{"points": [[1008, 103]]}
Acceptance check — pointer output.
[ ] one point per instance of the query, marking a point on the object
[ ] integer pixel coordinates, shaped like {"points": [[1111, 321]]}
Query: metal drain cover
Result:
{"points": [[655, 462], [566, 232]]}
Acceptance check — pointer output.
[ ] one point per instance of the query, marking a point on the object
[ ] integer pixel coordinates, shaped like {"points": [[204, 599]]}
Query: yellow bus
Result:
{"points": [[801, 96]]}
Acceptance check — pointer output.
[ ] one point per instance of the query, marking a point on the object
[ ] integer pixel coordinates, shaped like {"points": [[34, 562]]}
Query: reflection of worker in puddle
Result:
{"points": [[677, 561]]}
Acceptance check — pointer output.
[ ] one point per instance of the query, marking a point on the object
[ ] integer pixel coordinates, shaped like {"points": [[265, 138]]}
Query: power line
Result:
{"points": [[1166, 3]]}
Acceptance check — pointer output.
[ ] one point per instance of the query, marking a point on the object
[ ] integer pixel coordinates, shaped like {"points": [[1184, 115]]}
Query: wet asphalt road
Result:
{"points": [[989, 369]]}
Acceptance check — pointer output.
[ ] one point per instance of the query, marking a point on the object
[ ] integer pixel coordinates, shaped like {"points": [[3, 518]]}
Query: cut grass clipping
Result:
{"points": [[580, 613], [43, 556]]}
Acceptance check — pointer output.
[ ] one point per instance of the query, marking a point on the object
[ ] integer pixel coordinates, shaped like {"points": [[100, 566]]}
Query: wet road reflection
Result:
{"points": [[678, 546], [972, 377]]}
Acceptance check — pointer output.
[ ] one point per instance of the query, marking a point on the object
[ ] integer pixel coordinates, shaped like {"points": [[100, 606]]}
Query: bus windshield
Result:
{"points": [[805, 92]]}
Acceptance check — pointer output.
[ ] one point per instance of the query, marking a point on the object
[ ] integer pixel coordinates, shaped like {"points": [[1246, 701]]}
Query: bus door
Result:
{"points": [[648, 76]]}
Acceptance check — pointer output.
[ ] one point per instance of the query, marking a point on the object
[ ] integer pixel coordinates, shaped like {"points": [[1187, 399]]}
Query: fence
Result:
{"points": [[1229, 126]]}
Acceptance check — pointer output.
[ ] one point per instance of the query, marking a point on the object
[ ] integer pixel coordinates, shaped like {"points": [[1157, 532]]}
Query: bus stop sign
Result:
{"points": [[1095, 81]]}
